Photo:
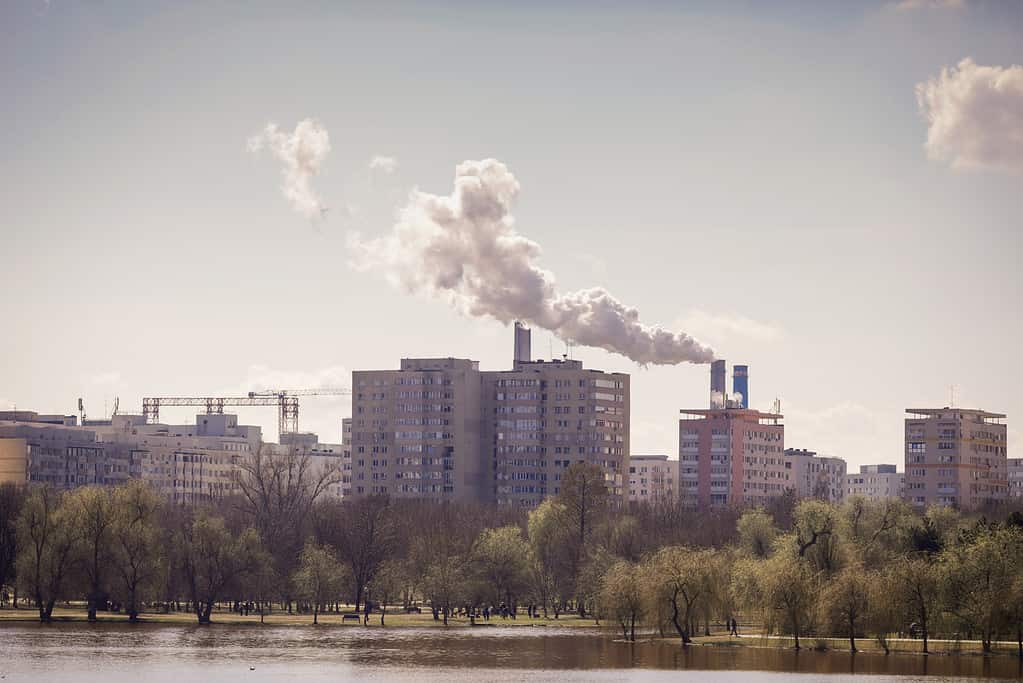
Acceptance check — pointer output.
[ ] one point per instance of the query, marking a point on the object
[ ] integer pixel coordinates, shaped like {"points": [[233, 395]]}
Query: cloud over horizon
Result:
{"points": [[974, 115], [383, 164], [910, 5], [301, 154], [464, 247]]}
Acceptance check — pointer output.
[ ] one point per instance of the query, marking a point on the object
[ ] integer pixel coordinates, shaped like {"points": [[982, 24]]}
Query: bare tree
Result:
{"points": [[362, 532]]}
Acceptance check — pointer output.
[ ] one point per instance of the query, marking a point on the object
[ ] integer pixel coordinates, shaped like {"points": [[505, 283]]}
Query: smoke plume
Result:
{"points": [[302, 154], [464, 247]]}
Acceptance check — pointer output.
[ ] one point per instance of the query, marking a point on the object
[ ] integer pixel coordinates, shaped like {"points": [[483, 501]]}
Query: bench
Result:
{"points": [[351, 616]]}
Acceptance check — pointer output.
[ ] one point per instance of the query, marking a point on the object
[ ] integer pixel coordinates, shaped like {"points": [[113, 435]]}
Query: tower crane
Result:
{"points": [[286, 401]]}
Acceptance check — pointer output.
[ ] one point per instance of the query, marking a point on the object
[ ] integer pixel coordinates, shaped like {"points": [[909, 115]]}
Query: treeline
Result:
{"points": [[798, 568]]}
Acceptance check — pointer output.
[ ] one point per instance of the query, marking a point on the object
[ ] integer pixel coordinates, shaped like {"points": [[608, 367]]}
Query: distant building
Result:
{"points": [[652, 477], [731, 456], [442, 429], [955, 457], [1015, 471], [816, 476], [875, 482]]}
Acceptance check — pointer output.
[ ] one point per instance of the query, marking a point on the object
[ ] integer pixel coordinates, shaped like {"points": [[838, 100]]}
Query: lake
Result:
{"points": [[155, 653]]}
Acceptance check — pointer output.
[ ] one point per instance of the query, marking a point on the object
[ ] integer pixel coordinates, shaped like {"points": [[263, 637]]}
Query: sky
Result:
{"points": [[208, 198]]}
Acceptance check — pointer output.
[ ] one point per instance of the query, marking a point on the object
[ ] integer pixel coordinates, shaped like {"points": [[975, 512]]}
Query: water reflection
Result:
{"points": [[119, 652]]}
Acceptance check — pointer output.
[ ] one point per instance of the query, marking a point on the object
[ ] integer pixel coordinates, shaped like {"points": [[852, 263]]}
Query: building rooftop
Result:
{"points": [[932, 412]]}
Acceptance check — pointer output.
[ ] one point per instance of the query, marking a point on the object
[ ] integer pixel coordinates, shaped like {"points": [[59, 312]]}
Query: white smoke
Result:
{"points": [[382, 164], [464, 247], [975, 115], [302, 153]]}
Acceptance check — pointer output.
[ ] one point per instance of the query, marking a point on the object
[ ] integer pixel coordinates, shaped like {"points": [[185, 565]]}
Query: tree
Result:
{"points": [[814, 526], [584, 498], [916, 585], [91, 511], [214, 562], [621, 596], [756, 532], [680, 578], [278, 491], [388, 584], [138, 563], [362, 532], [979, 578], [444, 583], [786, 592], [883, 613], [549, 562], [319, 577], [12, 497], [47, 548], [500, 558], [846, 598]]}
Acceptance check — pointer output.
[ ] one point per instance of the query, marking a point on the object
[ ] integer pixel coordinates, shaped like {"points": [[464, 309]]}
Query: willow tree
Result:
{"points": [[680, 578], [47, 549], [319, 577], [90, 510], [621, 596], [138, 559]]}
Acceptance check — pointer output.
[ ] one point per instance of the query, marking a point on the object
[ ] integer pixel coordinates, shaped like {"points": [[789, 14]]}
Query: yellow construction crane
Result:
{"points": [[286, 401]]}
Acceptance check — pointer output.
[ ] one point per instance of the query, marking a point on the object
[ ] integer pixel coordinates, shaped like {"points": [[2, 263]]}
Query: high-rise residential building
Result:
{"points": [[816, 476], [652, 478], [731, 456], [1015, 472], [445, 430], [955, 457], [875, 482], [346, 456], [417, 431]]}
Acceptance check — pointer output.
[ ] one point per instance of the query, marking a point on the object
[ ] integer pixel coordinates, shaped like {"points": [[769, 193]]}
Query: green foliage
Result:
{"points": [[757, 532]]}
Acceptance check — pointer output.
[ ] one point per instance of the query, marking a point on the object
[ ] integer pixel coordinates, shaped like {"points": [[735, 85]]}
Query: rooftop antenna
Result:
{"points": [[81, 411]]}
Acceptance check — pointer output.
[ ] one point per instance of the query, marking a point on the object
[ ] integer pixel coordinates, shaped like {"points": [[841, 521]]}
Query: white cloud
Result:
{"points": [[386, 165], [910, 5], [719, 326], [974, 115], [464, 247], [302, 154]]}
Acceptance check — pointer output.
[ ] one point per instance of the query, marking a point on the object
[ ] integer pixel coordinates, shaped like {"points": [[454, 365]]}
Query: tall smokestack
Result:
{"points": [[740, 384], [717, 384], [523, 344]]}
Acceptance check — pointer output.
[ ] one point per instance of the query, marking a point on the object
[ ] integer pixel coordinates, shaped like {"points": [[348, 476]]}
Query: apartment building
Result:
{"points": [[731, 456], [417, 431], [955, 457], [442, 429], [875, 482], [652, 478], [816, 476], [1015, 476]]}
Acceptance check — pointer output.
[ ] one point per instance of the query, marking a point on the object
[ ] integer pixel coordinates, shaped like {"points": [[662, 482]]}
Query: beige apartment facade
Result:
{"points": [[955, 457], [875, 482], [652, 478], [816, 476]]}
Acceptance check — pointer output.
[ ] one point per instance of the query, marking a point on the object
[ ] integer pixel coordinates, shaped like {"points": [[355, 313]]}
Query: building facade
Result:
{"points": [[652, 478], [816, 476], [876, 482], [1015, 477], [955, 457], [731, 456]]}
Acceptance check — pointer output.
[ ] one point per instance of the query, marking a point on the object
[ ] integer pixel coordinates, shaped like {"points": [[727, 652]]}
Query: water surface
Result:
{"points": [[157, 653]]}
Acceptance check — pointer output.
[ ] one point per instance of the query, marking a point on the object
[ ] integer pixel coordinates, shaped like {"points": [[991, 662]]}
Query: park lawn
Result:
{"points": [[396, 619]]}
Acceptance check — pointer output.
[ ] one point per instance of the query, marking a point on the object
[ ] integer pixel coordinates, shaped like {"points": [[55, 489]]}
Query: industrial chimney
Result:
{"points": [[717, 384], [740, 384], [523, 345]]}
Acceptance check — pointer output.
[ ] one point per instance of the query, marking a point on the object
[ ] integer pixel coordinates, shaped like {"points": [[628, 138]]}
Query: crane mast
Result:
{"points": [[285, 400]]}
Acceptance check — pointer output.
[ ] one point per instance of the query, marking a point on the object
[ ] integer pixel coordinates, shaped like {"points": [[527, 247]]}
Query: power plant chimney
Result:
{"points": [[740, 384], [717, 384], [523, 344]]}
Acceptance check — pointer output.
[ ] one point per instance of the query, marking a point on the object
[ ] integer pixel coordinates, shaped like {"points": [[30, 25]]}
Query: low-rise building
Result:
{"points": [[875, 482], [651, 478], [816, 476]]}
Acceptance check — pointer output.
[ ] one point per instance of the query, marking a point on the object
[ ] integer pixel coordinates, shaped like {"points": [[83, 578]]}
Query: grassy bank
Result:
{"points": [[863, 645], [395, 619]]}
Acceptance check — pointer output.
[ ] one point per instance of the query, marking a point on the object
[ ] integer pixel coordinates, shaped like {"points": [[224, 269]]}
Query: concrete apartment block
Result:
{"points": [[731, 456], [875, 482], [955, 457], [816, 476], [652, 478]]}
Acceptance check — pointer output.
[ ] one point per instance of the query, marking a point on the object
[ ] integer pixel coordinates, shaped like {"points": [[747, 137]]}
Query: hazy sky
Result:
{"points": [[757, 175]]}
